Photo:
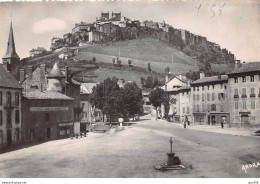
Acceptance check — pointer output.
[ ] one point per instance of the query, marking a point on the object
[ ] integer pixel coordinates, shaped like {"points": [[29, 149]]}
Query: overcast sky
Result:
{"points": [[235, 26]]}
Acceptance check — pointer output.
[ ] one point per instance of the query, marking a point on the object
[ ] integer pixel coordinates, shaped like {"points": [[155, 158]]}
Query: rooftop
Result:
{"points": [[211, 79], [46, 95], [7, 79], [55, 72], [248, 67], [87, 88]]}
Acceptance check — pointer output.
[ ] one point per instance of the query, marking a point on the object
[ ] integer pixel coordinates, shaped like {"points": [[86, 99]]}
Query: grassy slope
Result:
{"points": [[125, 72], [140, 51]]}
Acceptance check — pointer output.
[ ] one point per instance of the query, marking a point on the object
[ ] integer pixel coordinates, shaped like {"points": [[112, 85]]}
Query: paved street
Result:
{"points": [[134, 151]]}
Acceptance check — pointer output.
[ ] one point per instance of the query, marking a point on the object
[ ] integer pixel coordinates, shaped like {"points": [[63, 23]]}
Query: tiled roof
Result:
{"points": [[51, 95], [7, 79], [86, 88], [248, 67], [211, 79]]}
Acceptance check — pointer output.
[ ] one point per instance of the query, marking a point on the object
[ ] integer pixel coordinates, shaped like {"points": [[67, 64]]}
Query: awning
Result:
{"points": [[199, 114]]}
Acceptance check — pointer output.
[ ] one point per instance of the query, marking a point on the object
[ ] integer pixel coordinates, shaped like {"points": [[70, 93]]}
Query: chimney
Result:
{"points": [[21, 75], [29, 72], [67, 73], [237, 64], [202, 75], [42, 66]]}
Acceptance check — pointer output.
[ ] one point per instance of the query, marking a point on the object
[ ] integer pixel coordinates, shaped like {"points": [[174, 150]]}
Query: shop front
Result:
{"points": [[199, 118], [65, 129]]}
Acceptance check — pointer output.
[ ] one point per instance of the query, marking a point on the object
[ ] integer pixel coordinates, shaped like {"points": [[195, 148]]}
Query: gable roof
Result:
{"points": [[211, 79], [46, 95], [10, 51], [87, 88], [7, 79], [248, 67]]}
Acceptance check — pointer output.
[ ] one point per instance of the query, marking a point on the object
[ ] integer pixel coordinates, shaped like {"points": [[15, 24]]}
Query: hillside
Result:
{"points": [[141, 52]]}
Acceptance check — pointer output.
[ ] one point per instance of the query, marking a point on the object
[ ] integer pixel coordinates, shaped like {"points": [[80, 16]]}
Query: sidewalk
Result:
{"points": [[242, 131]]}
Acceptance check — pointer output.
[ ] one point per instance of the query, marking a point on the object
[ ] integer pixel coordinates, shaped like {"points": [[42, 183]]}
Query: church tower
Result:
{"points": [[11, 60]]}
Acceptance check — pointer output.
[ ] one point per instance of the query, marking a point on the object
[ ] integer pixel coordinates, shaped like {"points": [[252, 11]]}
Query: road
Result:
{"points": [[133, 152]]}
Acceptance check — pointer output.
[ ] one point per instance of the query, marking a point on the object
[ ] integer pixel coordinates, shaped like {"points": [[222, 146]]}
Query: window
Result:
{"points": [[252, 91], [198, 97], [1, 118], [213, 96], [188, 110], [17, 116], [236, 91], [47, 116], [8, 117], [203, 97], [208, 87], [252, 78], [243, 91], [252, 104], [198, 88], [193, 88], [236, 105], [235, 80], [213, 86], [183, 110], [1, 98], [208, 97], [8, 98], [243, 79], [221, 86], [194, 97], [17, 99], [202, 88], [221, 96], [213, 107], [203, 108], [253, 119], [244, 105], [194, 108], [198, 108]]}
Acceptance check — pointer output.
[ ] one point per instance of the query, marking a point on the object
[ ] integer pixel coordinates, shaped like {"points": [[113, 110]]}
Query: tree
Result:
{"points": [[149, 82], [129, 62], [142, 81], [100, 98], [132, 99], [94, 59], [157, 97], [119, 62]]}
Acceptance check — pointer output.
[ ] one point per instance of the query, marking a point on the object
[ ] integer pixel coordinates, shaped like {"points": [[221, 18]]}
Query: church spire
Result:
{"points": [[10, 52]]}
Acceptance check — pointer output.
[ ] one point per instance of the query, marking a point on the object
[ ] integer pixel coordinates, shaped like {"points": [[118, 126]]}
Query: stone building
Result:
{"points": [[172, 88], [244, 90], [87, 115], [10, 109], [210, 99], [81, 27], [96, 36], [185, 101], [37, 51]]}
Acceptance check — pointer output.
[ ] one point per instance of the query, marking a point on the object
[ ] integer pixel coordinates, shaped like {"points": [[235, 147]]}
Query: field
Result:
{"points": [[141, 52]]}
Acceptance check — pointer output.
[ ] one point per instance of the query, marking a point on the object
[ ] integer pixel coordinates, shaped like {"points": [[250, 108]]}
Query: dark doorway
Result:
{"points": [[208, 120], [9, 136], [48, 133], [83, 127], [213, 120], [245, 119]]}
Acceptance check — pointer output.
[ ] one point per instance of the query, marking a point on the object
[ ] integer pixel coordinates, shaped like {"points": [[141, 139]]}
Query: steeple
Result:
{"points": [[10, 52]]}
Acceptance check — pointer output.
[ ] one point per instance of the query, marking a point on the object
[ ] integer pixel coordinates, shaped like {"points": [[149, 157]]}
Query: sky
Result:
{"points": [[233, 25]]}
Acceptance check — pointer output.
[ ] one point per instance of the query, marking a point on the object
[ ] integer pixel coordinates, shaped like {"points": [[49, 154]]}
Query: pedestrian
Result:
{"points": [[222, 124], [188, 123]]}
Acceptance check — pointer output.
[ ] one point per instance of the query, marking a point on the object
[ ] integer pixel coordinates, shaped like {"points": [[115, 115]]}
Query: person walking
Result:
{"points": [[222, 123]]}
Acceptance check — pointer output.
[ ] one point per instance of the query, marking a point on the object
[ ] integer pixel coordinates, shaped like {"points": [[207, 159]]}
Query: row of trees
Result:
{"points": [[114, 101], [118, 62]]}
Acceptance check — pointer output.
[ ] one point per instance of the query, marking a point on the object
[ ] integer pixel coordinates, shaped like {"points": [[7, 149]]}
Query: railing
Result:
{"points": [[252, 95], [244, 96], [236, 96]]}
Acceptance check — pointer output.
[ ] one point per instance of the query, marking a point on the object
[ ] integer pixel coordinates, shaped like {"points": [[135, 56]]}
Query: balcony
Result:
{"points": [[244, 96], [236, 96], [9, 105], [252, 95]]}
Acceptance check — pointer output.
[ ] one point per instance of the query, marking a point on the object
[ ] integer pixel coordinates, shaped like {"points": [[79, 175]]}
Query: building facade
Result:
{"points": [[244, 90], [210, 100], [10, 109]]}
